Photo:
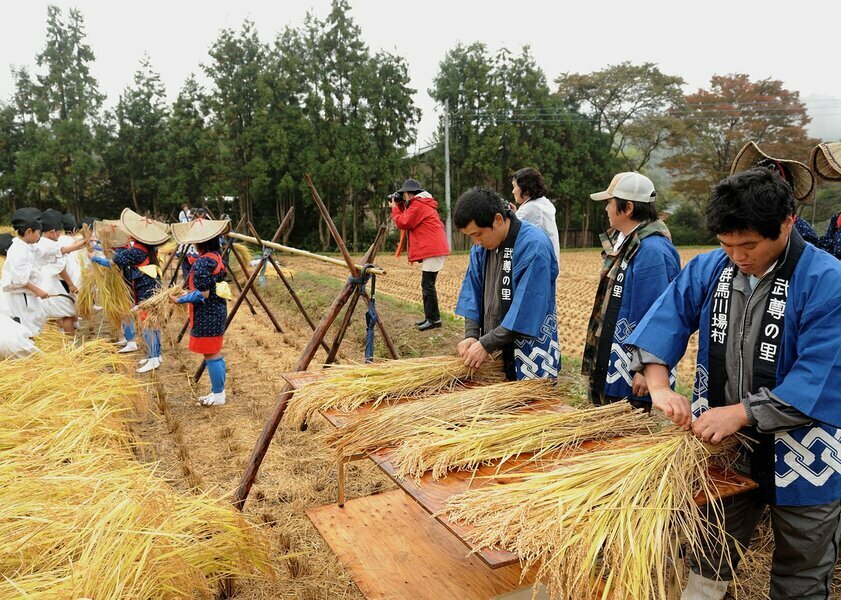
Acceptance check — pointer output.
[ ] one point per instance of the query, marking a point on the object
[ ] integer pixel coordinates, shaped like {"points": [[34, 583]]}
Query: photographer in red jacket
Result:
{"points": [[417, 212]]}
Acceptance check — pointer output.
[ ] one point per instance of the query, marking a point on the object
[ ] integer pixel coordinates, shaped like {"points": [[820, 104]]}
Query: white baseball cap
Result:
{"points": [[628, 186]]}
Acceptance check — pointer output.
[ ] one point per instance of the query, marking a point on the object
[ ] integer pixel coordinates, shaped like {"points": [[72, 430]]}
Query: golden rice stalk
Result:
{"points": [[93, 277], [609, 523], [445, 446], [81, 517], [347, 387], [8, 229], [392, 425], [114, 297], [155, 311]]}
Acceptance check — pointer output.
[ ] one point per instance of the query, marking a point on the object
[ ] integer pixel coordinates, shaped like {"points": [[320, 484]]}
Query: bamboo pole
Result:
{"points": [[296, 251], [307, 354]]}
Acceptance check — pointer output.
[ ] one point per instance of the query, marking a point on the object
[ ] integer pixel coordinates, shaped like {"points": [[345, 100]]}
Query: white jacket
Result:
{"points": [[541, 213]]}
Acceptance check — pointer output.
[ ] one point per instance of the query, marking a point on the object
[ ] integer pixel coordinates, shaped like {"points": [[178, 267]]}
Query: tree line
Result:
{"points": [[318, 100]]}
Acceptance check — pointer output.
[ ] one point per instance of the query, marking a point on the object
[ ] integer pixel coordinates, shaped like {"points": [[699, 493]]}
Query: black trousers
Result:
{"points": [[430, 296]]}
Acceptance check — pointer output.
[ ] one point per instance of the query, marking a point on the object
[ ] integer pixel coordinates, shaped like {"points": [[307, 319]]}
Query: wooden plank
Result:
{"points": [[392, 549], [297, 379]]}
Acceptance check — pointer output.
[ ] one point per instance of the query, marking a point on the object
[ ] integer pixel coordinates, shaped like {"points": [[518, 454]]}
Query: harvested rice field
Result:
{"points": [[204, 450], [576, 288]]}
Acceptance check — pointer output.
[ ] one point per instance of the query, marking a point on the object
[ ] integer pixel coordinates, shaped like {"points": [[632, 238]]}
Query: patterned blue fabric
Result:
{"points": [[831, 240], [208, 316], [532, 314], [808, 459], [142, 286], [806, 231], [650, 271], [152, 337]]}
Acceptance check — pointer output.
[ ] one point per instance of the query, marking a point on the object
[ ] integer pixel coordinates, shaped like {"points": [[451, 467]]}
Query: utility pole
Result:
{"points": [[449, 225]]}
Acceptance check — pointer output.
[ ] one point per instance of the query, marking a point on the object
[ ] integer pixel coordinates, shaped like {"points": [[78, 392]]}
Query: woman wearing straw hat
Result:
{"points": [[206, 298], [826, 164], [797, 175], [139, 263]]}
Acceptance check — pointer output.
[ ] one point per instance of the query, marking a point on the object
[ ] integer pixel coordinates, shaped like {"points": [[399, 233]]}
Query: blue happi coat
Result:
{"points": [[532, 313], [652, 268], [807, 459]]}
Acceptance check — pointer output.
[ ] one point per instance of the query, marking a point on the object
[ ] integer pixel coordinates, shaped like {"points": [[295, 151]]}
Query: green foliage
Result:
{"points": [[688, 227]]}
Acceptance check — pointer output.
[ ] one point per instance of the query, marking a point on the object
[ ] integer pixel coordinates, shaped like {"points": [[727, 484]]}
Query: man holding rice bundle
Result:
{"points": [[138, 261], [206, 299], [767, 309], [507, 297], [639, 263]]}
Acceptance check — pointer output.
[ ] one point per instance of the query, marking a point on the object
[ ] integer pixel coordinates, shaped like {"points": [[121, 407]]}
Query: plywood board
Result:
{"points": [[393, 549]]}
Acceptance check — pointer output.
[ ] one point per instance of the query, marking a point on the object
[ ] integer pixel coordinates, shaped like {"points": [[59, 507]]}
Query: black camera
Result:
{"points": [[397, 197]]}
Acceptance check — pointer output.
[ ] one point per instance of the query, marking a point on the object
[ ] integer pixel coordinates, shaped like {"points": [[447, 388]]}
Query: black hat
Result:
{"points": [[69, 222], [5, 242], [411, 185], [51, 220], [26, 218]]}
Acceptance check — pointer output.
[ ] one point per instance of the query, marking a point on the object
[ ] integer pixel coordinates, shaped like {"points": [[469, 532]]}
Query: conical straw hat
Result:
{"points": [[826, 161], [803, 182], [143, 229], [200, 230], [112, 230]]}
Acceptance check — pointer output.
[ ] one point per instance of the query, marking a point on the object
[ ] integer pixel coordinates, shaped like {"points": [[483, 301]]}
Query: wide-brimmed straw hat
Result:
{"points": [[826, 161], [200, 230], [802, 181], [143, 229], [113, 230]]}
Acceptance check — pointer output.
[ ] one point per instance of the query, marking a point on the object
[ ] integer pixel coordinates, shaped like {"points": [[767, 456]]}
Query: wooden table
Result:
{"points": [[432, 495]]}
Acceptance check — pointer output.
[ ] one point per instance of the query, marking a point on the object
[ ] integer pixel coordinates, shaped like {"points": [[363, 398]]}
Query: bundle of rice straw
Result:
{"points": [[445, 446], [155, 310], [608, 523], [107, 286], [347, 387], [392, 425], [81, 517]]}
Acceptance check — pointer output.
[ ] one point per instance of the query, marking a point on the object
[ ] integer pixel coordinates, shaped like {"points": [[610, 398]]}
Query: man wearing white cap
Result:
{"points": [[639, 263]]}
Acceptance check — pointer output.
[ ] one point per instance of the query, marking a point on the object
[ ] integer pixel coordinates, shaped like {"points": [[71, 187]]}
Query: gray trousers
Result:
{"points": [[806, 540]]}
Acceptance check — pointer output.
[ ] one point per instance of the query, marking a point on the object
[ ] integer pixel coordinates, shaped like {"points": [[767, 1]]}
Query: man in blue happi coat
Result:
{"points": [[639, 263], [508, 294], [766, 306]]}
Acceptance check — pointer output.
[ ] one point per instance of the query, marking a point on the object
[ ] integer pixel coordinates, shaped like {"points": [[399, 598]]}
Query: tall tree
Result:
{"points": [[67, 100], [632, 104], [238, 62], [504, 117], [140, 142], [189, 149], [735, 110]]}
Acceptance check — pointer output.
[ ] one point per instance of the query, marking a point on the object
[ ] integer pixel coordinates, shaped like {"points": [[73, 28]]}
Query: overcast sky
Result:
{"points": [[694, 40]]}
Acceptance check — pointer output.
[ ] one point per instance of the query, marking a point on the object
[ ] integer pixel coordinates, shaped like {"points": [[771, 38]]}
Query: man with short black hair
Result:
{"points": [[508, 294], [766, 306], [639, 263]]}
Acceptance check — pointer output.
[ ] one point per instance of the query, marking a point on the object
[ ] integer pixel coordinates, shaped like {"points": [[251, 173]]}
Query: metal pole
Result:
{"points": [[449, 225]]}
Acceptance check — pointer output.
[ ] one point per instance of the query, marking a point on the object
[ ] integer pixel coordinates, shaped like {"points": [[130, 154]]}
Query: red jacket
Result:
{"points": [[426, 231]]}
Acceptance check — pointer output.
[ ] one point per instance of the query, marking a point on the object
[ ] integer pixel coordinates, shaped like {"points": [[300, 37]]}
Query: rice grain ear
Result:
{"points": [[347, 387], [608, 523], [401, 422], [501, 437], [156, 310]]}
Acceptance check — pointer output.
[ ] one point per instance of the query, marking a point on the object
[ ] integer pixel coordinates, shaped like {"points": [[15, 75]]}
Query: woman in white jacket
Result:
{"points": [[533, 206]]}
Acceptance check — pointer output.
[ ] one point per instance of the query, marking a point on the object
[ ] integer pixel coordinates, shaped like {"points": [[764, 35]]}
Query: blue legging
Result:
{"points": [[128, 330], [152, 337], [217, 370]]}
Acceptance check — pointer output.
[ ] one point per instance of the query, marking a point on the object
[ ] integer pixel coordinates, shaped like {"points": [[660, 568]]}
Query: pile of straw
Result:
{"points": [[445, 446], [81, 517], [608, 523], [392, 425], [156, 310], [347, 387]]}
